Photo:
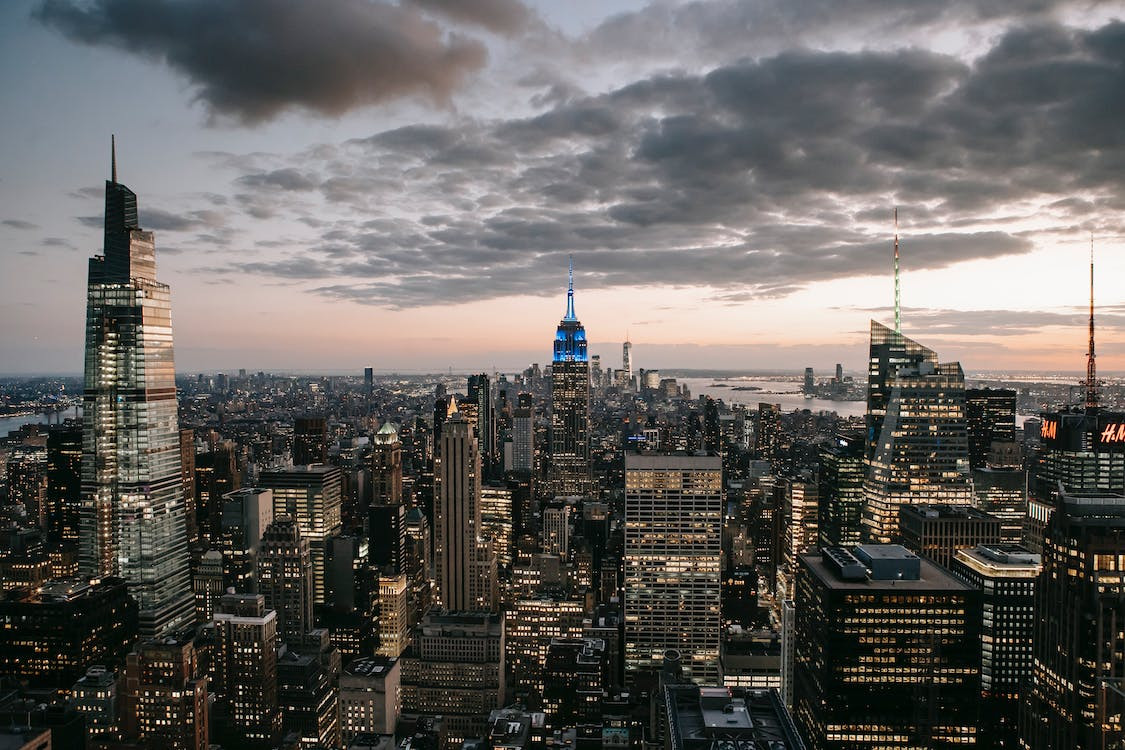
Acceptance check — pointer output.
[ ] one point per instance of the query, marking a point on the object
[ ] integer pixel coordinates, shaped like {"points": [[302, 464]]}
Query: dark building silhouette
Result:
{"points": [[50, 635], [842, 471], [887, 651], [1077, 640], [64, 480], [991, 417], [310, 440]]}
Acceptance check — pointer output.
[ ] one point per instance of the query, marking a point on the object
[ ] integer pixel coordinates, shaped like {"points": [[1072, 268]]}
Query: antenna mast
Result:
{"points": [[1091, 365], [113, 159], [898, 308]]}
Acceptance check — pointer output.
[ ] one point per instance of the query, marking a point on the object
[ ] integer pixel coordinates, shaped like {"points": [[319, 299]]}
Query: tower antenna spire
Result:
{"points": [[898, 307], [113, 158], [570, 293], [1091, 364]]}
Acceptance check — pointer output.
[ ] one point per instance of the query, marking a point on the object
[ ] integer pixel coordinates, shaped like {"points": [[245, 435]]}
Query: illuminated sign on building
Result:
{"points": [[1114, 432], [1049, 429]]}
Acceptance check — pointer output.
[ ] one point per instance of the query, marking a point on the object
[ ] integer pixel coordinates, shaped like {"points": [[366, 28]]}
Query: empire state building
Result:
{"points": [[131, 517], [570, 405]]}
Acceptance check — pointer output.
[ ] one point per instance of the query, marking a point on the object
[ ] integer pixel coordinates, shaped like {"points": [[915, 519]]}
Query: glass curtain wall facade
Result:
{"points": [[131, 518]]}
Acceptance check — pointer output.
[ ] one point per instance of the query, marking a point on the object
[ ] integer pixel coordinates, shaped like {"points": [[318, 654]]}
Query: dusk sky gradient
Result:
{"points": [[346, 183]]}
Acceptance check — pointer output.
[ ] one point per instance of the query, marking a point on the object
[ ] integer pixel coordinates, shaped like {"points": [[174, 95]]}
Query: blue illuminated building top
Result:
{"points": [[570, 339]]}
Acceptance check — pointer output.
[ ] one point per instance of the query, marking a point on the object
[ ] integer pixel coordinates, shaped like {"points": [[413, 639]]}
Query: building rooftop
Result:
{"points": [[1001, 560], [370, 666], [930, 577], [945, 512], [701, 718]]}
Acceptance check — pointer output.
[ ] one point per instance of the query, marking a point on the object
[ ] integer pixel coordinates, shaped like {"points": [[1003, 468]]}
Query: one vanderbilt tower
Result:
{"points": [[131, 521]]}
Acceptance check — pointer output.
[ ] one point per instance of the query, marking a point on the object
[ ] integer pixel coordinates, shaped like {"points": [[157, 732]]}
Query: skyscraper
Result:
{"points": [[131, 518], [626, 375], [285, 577], [887, 651], [312, 496], [310, 440], [841, 478], [480, 391], [890, 351], [673, 529], [1077, 631], [921, 448], [462, 557], [570, 404], [990, 414]]}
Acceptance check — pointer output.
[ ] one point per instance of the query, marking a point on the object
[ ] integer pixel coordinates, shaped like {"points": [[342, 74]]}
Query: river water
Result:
{"points": [[784, 392]]}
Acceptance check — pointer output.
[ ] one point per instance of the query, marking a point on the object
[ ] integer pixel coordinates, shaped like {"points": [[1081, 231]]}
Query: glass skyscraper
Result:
{"points": [[131, 519]]}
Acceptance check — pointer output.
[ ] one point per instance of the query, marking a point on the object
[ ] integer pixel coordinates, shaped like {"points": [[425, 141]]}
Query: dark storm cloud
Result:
{"points": [[503, 16], [754, 179], [712, 30], [19, 224], [256, 58]]}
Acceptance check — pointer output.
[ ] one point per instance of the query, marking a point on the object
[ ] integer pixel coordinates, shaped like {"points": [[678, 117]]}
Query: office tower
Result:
{"points": [[187, 480], [245, 666], [937, 531], [523, 437], [839, 373], [368, 386], [166, 694], [369, 697], [921, 453], [480, 392], [310, 440], [419, 553], [890, 352], [386, 466], [216, 474], [767, 432], [1006, 576], [455, 668], [309, 701], [574, 679], [1082, 450], [673, 531], [245, 515], [131, 518], [570, 405], [27, 482], [51, 634], [351, 610], [285, 577], [1003, 493], [312, 496], [496, 522], [990, 414], [701, 718], [208, 584], [64, 480], [386, 528], [444, 407], [809, 385], [462, 570], [841, 476], [530, 624], [887, 651], [394, 614], [798, 529], [1079, 608], [556, 530], [94, 696], [625, 381]]}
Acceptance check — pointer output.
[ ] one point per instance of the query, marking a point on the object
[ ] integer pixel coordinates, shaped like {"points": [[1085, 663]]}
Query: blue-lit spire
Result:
{"points": [[570, 338], [570, 294]]}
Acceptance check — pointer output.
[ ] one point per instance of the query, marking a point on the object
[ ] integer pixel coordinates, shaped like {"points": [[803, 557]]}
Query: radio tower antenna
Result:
{"points": [[1091, 365], [898, 307]]}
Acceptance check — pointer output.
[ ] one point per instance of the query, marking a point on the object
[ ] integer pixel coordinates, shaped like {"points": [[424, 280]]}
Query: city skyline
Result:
{"points": [[383, 222]]}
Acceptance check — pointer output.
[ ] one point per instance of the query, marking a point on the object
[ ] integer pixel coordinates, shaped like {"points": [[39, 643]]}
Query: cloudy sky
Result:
{"points": [[399, 183]]}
